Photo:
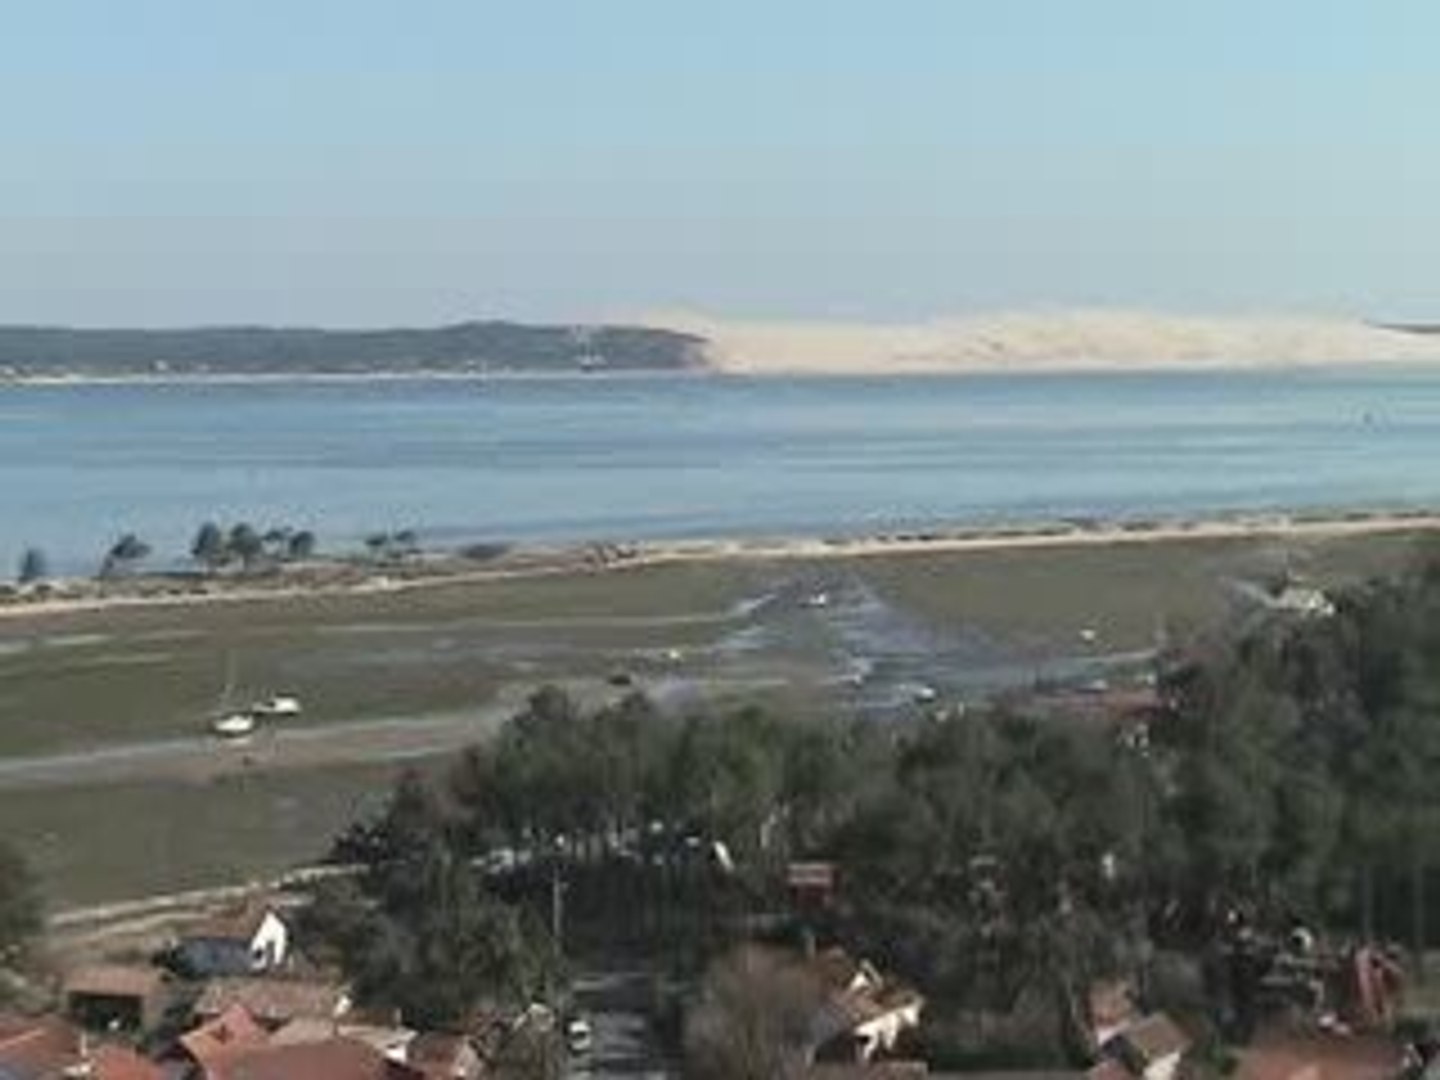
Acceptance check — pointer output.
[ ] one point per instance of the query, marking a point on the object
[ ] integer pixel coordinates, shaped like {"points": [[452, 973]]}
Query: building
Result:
{"points": [[1316, 1056], [1111, 1008], [49, 1048], [334, 1059], [888, 1070], [917, 1070], [437, 1056], [120, 1063], [37, 1048], [854, 1014], [246, 941], [209, 1048], [860, 1024], [115, 997], [273, 1002], [859, 1014], [1150, 1048], [388, 1040]]}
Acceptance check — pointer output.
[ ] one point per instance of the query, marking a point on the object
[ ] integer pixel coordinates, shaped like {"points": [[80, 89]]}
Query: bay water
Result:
{"points": [[621, 458]]}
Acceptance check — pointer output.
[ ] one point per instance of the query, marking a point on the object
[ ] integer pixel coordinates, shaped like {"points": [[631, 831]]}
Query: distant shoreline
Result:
{"points": [[543, 562], [1403, 366], [1040, 341], [216, 378]]}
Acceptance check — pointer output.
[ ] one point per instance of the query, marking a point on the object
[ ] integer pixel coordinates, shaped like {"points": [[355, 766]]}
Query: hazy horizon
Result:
{"points": [[359, 164]]}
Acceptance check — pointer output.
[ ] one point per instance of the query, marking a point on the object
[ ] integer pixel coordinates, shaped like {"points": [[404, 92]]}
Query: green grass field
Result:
{"points": [[131, 840]]}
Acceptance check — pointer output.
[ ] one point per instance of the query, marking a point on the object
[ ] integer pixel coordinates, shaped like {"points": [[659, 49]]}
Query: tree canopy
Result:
{"points": [[20, 906], [417, 931], [1001, 857], [34, 566]]}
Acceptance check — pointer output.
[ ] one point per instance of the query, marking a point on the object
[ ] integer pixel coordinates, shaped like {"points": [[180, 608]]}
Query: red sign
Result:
{"points": [[818, 876]]}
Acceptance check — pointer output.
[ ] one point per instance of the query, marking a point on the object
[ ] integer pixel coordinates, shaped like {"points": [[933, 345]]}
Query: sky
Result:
{"points": [[364, 162]]}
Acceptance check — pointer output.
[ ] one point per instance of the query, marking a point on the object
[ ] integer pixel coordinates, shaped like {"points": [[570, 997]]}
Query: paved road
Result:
{"points": [[624, 1045]]}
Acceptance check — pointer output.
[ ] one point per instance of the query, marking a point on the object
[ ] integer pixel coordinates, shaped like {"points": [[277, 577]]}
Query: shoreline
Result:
{"points": [[281, 378], [1079, 368], [536, 563]]}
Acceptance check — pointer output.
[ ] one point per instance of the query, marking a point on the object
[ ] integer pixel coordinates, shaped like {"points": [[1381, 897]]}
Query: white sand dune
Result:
{"points": [[1047, 341]]}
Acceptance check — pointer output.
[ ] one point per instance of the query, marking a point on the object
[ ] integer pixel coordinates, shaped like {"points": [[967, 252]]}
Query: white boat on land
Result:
{"points": [[236, 725], [278, 707], [228, 722], [924, 694]]}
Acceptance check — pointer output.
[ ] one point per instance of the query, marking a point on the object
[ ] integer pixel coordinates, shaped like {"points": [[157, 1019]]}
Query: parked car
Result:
{"points": [[578, 1036]]}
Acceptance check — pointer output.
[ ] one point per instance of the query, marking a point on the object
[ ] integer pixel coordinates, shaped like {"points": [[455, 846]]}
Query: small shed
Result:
{"points": [[115, 997]]}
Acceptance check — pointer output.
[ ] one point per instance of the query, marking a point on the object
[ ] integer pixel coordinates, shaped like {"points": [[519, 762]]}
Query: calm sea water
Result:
{"points": [[673, 457]]}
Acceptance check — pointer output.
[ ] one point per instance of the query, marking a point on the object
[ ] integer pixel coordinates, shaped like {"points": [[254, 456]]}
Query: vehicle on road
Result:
{"points": [[578, 1036]]}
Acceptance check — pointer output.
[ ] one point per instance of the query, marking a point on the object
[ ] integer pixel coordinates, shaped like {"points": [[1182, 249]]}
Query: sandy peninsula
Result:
{"points": [[1048, 341], [356, 579]]}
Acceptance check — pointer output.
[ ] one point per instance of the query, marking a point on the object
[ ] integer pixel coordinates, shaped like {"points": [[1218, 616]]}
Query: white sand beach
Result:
{"points": [[1079, 340]]}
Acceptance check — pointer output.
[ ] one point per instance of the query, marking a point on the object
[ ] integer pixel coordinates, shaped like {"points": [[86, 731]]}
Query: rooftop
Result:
{"points": [[335, 1059], [273, 1001], [1320, 1057], [37, 1046], [118, 1063], [1155, 1037], [114, 980], [217, 1041], [240, 923]]}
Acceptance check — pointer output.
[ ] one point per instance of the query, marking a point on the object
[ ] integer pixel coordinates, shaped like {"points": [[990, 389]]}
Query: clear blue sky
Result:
{"points": [[360, 161]]}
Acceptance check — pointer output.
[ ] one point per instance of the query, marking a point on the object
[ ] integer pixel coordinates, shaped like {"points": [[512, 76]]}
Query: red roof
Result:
{"points": [[1320, 1057], [272, 1001], [335, 1059], [213, 1043], [39, 1045], [118, 1063]]}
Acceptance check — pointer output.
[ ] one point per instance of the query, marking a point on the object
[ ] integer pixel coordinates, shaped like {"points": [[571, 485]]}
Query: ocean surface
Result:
{"points": [[665, 457]]}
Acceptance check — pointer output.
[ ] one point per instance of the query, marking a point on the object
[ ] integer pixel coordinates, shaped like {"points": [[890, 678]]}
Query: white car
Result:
{"points": [[578, 1036]]}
